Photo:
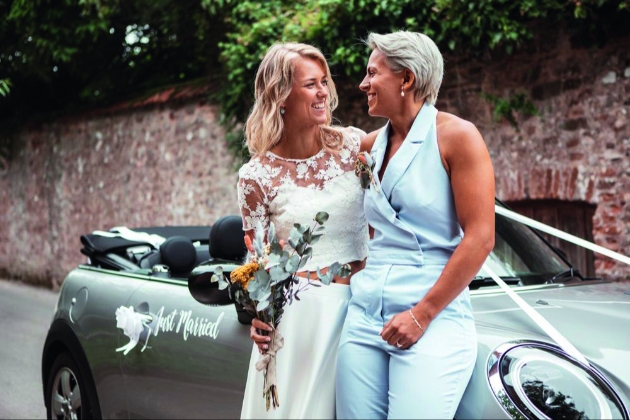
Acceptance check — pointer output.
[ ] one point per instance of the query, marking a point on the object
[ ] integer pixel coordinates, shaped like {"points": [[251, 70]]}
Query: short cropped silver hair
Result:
{"points": [[416, 52]]}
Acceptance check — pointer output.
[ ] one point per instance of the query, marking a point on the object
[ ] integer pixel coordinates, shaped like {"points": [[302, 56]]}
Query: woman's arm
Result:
{"points": [[467, 161]]}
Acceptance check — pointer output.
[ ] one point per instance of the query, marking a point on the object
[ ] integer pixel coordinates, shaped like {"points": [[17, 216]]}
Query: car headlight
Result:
{"points": [[538, 380]]}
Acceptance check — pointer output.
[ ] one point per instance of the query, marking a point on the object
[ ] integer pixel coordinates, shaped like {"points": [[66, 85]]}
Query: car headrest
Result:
{"points": [[178, 253], [226, 239]]}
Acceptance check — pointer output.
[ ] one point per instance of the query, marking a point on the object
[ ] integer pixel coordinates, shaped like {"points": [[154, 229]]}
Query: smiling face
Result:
{"points": [[382, 86], [307, 103]]}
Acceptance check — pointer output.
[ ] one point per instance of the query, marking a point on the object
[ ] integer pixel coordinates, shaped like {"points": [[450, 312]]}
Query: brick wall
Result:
{"points": [[151, 165], [577, 148], [165, 161]]}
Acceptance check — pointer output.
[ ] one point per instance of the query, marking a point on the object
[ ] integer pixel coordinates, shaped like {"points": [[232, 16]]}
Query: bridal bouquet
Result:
{"points": [[268, 281]]}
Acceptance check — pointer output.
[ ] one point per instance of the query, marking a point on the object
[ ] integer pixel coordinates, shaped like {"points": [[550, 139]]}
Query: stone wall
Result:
{"points": [[164, 161], [577, 148], [155, 164]]}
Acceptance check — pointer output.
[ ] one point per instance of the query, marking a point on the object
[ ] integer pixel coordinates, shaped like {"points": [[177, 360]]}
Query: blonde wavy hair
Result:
{"points": [[272, 87]]}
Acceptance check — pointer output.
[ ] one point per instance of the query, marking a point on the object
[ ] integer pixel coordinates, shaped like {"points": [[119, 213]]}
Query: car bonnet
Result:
{"points": [[593, 316]]}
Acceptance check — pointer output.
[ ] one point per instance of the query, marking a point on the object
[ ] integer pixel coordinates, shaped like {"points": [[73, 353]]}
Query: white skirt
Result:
{"points": [[307, 364]]}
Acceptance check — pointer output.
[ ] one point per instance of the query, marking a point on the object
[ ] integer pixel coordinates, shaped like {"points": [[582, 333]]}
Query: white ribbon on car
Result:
{"points": [[131, 235], [549, 329], [538, 319], [132, 323], [562, 235]]}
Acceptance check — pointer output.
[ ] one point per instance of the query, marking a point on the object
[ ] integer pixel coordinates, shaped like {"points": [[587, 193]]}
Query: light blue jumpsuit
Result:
{"points": [[415, 233]]}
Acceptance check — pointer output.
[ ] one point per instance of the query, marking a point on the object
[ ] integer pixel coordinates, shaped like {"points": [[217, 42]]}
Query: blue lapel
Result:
{"points": [[411, 145]]}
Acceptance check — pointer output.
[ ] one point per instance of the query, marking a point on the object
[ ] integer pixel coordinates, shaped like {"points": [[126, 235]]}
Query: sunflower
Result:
{"points": [[244, 274]]}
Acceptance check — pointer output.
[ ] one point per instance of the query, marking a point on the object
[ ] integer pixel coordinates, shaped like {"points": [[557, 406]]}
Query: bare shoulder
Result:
{"points": [[456, 134], [368, 141]]}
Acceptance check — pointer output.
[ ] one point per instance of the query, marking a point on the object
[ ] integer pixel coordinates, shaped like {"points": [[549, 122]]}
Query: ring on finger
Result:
{"points": [[398, 345]]}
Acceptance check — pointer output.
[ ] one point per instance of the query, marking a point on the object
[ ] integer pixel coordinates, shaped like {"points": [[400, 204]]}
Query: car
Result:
{"points": [[141, 331]]}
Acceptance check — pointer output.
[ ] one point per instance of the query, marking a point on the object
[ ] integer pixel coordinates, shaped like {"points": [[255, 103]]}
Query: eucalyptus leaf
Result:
{"points": [[300, 248], [325, 278], [266, 296], [295, 234], [306, 236], [308, 252], [334, 268], [271, 234], [254, 288], [321, 217], [275, 248], [263, 277], [303, 261], [223, 282], [315, 239], [277, 274], [300, 228], [292, 265], [274, 259], [262, 305]]}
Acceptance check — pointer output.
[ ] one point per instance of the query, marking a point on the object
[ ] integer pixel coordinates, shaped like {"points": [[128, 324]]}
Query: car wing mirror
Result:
{"points": [[206, 291]]}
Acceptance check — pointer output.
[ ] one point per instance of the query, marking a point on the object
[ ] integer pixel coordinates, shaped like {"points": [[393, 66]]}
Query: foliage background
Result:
{"points": [[60, 56]]}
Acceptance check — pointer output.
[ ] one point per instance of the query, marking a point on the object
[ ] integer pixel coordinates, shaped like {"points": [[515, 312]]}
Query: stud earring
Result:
{"points": [[282, 111], [402, 91]]}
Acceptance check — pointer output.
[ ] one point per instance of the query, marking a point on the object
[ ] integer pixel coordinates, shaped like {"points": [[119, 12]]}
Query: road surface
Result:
{"points": [[25, 315]]}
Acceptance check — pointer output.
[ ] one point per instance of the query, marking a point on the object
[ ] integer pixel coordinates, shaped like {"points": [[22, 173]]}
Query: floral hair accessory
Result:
{"points": [[363, 168]]}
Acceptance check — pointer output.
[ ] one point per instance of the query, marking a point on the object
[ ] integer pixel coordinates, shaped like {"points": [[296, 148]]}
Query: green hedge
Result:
{"points": [[63, 55]]}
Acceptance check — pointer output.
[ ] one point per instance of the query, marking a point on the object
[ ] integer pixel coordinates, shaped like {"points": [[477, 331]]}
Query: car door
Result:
{"points": [[195, 361]]}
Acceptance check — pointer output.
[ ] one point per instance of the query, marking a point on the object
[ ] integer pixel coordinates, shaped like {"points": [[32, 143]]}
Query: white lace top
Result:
{"points": [[288, 191]]}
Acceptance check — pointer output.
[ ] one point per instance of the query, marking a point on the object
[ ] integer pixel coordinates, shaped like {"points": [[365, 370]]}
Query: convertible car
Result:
{"points": [[139, 333]]}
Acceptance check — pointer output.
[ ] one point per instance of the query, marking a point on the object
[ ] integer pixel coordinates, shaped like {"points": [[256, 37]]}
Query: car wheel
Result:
{"points": [[67, 392]]}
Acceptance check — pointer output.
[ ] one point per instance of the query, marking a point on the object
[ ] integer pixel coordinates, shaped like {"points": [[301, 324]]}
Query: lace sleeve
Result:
{"points": [[252, 202]]}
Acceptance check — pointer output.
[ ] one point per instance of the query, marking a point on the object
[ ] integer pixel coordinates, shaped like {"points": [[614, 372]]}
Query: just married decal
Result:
{"points": [[139, 326]]}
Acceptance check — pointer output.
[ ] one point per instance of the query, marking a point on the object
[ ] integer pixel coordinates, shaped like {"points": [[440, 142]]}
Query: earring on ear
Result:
{"points": [[282, 111], [402, 91]]}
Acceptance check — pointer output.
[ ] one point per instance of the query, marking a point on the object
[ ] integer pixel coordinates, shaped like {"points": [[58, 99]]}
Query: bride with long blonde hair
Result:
{"points": [[301, 164]]}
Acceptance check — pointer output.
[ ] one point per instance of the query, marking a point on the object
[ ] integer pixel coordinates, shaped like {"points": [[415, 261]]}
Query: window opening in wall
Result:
{"points": [[574, 217]]}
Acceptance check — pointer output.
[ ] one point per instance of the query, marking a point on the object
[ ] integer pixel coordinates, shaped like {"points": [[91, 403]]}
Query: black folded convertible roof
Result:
{"points": [[102, 244]]}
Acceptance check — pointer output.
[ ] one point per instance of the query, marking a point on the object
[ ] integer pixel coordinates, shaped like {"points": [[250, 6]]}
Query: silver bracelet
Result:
{"points": [[416, 321]]}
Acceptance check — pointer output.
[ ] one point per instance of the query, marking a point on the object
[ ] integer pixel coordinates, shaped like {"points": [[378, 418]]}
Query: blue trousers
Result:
{"points": [[376, 380]]}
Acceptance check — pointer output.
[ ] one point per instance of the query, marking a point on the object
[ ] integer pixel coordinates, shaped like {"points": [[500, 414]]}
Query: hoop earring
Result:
{"points": [[402, 91], [282, 111]]}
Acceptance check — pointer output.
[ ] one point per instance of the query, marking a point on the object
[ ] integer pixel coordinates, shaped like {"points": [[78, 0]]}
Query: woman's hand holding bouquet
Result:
{"points": [[268, 281]]}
